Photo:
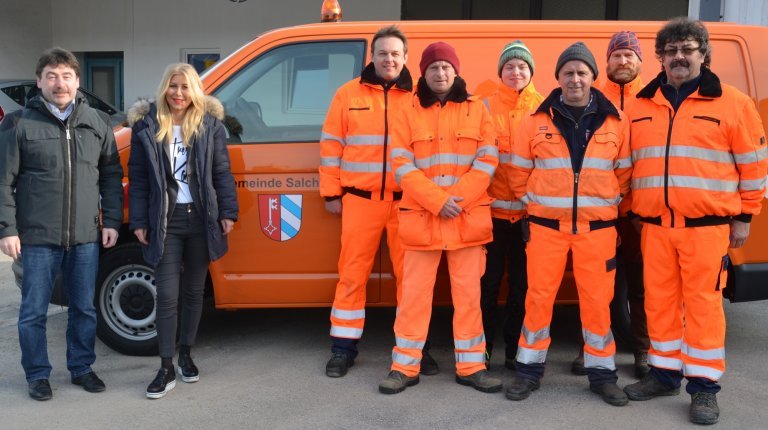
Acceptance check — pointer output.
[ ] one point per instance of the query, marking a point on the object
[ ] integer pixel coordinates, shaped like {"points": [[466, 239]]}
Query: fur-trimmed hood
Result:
{"points": [[143, 106]]}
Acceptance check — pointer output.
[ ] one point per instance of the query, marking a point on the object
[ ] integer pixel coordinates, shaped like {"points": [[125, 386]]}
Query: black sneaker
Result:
{"points": [[481, 381], [164, 382], [648, 388], [187, 369], [704, 409], [90, 382], [40, 390], [611, 394], [397, 382], [429, 366], [520, 388], [338, 365]]}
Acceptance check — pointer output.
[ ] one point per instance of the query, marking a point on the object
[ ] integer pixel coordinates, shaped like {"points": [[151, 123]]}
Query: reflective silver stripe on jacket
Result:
{"points": [[445, 180], [362, 167], [567, 202], [683, 151], [444, 158], [487, 150], [521, 162], [330, 161], [407, 343], [505, 157], [346, 332], [402, 152], [622, 163], [532, 337], [405, 360], [668, 346], [484, 167], [665, 362], [328, 136], [696, 370], [468, 343], [530, 356], [594, 361], [470, 357], [751, 157], [565, 163], [348, 315], [752, 184], [685, 182], [508, 205], [704, 354], [404, 170], [366, 139], [596, 341]]}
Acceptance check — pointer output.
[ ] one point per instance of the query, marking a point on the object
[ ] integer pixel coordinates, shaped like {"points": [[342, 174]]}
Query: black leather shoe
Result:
{"points": [[397, 382], [520, 388], [704, 409], [90, 383], [648, 388], [187, 369], [164, 382], [611, 394], [338, 365], [481, 381], [40, 390], [429, 366]]}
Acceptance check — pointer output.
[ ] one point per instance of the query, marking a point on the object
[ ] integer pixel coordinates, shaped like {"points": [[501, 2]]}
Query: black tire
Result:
{"points": [[620, 315], [125, 301]]}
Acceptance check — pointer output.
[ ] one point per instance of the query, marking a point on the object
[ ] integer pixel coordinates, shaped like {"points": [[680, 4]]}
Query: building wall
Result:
{"points": [[25, 31]]}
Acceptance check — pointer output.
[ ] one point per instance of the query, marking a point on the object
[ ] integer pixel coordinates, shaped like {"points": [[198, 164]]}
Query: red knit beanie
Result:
{"points": [[438, 51]]}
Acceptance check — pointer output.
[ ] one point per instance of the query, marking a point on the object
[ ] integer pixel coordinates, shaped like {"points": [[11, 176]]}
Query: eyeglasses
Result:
{"points": [[686, 50]]}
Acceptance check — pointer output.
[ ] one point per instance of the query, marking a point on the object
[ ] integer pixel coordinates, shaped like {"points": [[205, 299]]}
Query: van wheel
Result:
{"points": [[620, 316], [125, 301]]}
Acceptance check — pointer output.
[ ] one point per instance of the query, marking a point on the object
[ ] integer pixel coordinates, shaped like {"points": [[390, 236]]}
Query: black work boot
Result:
{"points": [[429, 366], [648, 388], [611, 393], [577, 365], [704, 409], [338, 365], [520, 388], [641, 365], [481, 381], [397, 382]]}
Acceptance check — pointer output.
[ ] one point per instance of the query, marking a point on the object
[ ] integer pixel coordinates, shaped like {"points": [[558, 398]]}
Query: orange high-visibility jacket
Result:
{"points": [[544, 178], [354, 143], [438, 152], [507, 107], [708, 159], [621, 95]]}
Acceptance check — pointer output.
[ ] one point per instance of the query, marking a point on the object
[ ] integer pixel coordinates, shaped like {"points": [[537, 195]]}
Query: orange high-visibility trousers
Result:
{"points": [[362, 223], [685, 272], [465, 266], [594, 268]]}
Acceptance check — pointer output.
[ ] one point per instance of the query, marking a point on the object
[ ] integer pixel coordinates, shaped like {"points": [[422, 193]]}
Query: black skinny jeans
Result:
{"points": [[184, 263], [507, 247]]}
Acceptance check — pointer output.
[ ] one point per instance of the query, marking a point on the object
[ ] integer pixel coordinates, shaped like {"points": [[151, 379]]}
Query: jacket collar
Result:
{"points": [[630, 89], [403, 82], [511, 96], [599, 100], [427, 98], [39, 103], [709, 85]]}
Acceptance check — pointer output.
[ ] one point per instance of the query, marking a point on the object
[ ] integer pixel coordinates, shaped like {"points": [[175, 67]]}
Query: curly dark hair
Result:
{"points": [[684, 28], [57, 56], [390, 31]]}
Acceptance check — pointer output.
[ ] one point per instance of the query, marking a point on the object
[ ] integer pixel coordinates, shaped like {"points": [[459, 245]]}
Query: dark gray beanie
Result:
{"points": [[516, 49], [577, 51]]}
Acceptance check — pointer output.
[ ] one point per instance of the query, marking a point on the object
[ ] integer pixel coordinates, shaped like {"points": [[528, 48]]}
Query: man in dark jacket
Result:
{"points": [[59, 167]]}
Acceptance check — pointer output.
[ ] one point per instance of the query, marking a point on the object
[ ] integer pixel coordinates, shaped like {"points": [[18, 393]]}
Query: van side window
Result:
{"points": [[283, 95]]}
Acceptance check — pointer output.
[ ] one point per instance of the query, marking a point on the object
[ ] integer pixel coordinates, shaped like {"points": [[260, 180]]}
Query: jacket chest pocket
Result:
{"points": [[422, 142], [362, 114], [88, 146], [606, 146], [42, 149], [505, 142], [468, 140], [549, 145]]}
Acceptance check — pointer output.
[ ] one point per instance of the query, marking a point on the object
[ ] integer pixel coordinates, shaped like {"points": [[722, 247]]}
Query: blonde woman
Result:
{"points": [[183, 204]]}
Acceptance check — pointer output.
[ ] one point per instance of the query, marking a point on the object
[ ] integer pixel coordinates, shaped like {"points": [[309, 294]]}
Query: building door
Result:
{"points": [[103, 75]]}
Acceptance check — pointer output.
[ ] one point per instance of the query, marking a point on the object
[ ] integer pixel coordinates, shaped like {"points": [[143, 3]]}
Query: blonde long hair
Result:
{"points": [[193, 118]]}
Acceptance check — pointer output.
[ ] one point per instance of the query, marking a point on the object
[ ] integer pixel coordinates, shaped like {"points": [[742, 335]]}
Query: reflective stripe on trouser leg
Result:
{"points": [[591, 253], [465, 267], [395, 249], [701, 252], [414, 310], [547, 252], [362, 223], [663, 297]]}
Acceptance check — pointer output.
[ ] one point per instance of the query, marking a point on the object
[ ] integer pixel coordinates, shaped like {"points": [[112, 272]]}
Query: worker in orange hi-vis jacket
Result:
{"points": [[357, 183], [515, 97], [700, 166], [444, 154], [571, 166]]}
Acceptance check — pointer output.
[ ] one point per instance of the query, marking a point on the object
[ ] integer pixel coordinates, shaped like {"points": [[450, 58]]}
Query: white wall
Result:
{"points": [[753, 12], [25, 31]]}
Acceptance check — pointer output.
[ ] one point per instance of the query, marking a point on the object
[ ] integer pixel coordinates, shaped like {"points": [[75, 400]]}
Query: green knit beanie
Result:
{"points": [[516, 49]]}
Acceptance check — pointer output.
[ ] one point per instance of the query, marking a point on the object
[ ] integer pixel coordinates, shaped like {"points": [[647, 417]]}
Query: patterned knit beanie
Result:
{"points": [[625, 40], [516, 49]]}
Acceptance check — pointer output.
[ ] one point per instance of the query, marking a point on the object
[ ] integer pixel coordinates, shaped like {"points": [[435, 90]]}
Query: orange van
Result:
{"points": [[276, 89]]}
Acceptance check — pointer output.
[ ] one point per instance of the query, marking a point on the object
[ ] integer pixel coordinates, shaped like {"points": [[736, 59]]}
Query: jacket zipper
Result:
{"points": [[68, 193], [621, 91], [386, 137], [666, 169]]}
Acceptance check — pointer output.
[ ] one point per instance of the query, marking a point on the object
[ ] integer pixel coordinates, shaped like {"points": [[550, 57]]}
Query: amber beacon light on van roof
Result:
{"points": [[330, 11]]}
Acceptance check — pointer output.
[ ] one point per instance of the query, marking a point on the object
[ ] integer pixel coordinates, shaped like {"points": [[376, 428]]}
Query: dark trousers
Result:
{"points": [[184, 264], [631, 261], [506, 250]]}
